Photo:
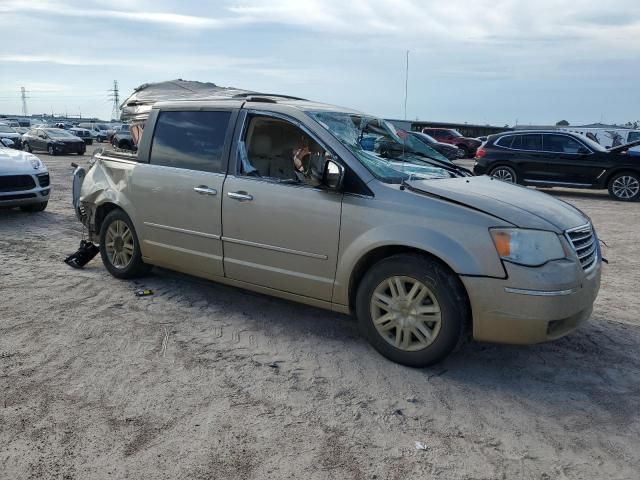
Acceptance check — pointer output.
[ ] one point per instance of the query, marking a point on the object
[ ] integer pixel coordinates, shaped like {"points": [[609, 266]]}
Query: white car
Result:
{"points": [[24, 180]]}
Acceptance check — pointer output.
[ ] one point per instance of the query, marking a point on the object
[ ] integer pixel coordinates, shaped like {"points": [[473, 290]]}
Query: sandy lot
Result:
{"points": [[204, 381]]}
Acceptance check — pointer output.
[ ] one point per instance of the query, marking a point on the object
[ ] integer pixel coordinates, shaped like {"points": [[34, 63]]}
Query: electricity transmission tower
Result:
{"points": [[115, 96], [23, 95]]}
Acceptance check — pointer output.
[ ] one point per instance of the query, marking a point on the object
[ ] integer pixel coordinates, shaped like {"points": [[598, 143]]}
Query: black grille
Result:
{"points": [[584, 243], [17, 196], [15, 183], [43, 179]]}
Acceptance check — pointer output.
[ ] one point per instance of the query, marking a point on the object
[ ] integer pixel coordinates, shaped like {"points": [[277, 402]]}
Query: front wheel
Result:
{"points": [[412, 309], [26, 147], [119, 246], [625, 186], [51, 150], [504, 173]]}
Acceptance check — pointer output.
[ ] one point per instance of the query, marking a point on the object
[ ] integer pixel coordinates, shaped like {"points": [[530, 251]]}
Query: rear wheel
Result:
{"points": [[625, 186], [119, 246], [504, 173], [412, 309], [465, 150], [34, 207]]}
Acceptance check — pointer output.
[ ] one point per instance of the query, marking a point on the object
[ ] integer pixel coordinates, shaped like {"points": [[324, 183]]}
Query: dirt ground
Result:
{"points": [[205, 381]]}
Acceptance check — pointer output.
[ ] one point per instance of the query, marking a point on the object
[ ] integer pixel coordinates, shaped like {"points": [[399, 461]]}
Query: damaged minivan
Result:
{"points": [[330, 207]]}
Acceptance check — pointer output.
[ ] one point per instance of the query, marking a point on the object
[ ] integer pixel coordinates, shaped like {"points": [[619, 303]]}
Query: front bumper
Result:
{"points": [[70, 148], [21, 196], [532, 305]]}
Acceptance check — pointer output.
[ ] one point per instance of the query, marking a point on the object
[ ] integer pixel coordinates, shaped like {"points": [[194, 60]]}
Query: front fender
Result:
{"points": [[465, 257]]}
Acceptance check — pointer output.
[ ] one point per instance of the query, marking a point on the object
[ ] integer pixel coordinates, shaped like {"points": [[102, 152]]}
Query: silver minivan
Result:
{"points": [[331, 207]]}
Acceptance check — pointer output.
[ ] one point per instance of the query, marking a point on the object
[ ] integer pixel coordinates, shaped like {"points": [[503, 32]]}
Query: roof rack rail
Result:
{"points": [[260, 94]]}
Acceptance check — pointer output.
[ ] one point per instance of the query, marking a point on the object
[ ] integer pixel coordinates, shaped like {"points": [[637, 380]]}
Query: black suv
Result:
{"points": [[560, 159]]}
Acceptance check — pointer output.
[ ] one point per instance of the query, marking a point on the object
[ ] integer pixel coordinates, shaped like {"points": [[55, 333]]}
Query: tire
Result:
{"points": [[625, 187], [51, 150], [26, 147], [504, 173], [34, 207], [465, 150], [130, 265], [444, 300]]}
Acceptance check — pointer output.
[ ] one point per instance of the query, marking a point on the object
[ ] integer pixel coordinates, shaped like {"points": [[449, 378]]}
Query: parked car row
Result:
{"points": [[467, 145], [560, 159]]}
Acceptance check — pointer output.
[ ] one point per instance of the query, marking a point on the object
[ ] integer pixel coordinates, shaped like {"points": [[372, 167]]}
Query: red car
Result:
{"points": [[453, 137]]}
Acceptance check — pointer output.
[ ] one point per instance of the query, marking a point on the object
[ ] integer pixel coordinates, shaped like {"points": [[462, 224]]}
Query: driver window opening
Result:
{"points": [[277, 150]]}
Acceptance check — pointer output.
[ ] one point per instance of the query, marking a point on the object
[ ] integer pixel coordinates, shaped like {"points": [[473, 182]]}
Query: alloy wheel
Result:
{"points": [[406, 313], [119, 244], [504, 174], [625, 187]]}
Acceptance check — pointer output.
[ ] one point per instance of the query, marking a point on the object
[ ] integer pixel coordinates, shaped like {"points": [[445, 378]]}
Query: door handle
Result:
{"points": [[204, 190], [240, 196]]}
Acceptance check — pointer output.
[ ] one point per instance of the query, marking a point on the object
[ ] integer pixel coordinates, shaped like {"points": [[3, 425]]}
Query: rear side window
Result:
{"points": [[506, 141], [190, 140], [530, 142]]}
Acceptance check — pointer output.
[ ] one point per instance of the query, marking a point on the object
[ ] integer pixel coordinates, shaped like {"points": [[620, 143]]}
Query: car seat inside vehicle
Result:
{"points": [[271, 144]]}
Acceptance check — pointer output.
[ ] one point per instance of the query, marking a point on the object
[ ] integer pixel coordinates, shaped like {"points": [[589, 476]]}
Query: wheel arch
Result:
{"points": [[103, 210], [613, 172], [370, 258]]}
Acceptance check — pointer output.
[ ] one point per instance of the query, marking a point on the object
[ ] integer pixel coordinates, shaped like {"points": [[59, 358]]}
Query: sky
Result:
{"points": [[478, 61]]}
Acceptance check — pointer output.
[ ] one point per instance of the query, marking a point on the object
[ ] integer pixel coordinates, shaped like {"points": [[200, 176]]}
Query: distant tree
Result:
{"points": [[562, 123]]}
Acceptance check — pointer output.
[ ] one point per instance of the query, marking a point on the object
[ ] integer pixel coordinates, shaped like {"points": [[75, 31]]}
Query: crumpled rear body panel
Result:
{"points": [[106, 182]]}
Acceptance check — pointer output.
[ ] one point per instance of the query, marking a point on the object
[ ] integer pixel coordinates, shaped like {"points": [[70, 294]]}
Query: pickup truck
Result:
{"points": [[330, 207]]}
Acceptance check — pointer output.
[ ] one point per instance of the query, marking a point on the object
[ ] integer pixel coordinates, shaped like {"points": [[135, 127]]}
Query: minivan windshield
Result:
{"points": [[390, 157]]}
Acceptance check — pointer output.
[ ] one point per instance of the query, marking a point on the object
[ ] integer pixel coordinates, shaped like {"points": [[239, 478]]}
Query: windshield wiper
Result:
{"points": [[449, 166]]}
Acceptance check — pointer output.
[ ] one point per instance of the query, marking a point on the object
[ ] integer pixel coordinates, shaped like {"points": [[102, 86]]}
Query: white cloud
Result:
{"points": [[80, 10]]}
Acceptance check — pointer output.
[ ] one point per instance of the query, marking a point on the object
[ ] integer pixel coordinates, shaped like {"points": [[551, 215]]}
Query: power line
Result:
{"points": [[115, 95]]}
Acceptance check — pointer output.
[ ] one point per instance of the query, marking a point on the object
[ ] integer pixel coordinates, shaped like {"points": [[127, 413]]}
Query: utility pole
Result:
{"points": [[406, 86], [115, 95], [23, 95]]}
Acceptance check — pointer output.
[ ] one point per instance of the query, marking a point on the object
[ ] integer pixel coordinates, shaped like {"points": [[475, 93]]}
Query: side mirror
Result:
{"points": [[333, 175]]}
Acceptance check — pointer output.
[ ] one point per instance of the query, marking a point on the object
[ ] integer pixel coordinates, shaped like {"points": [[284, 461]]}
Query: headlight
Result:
{"points": [[527, 247], [36, 163]]}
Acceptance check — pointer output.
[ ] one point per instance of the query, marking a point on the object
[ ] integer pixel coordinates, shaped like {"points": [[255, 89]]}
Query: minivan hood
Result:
{"points": [[520, 206]]}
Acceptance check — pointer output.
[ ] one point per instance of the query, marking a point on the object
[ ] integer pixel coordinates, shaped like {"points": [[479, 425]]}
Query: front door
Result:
{"points": [[571, 162], [280, 230], [41, 141], [177, 195]]}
